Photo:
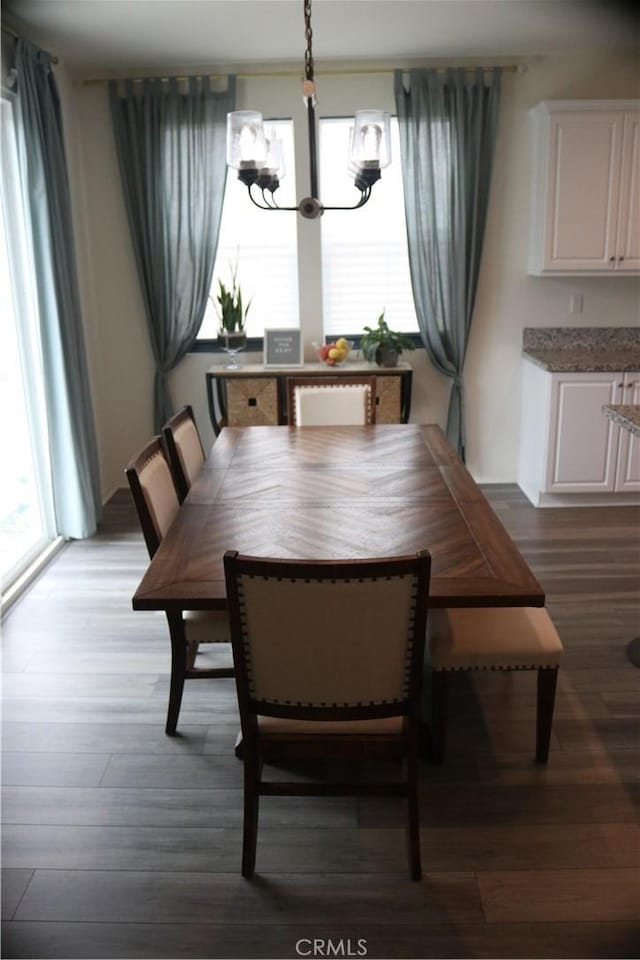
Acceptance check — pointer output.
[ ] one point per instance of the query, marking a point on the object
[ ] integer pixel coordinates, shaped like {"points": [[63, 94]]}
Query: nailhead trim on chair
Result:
{"points": [[503, 667], [154, 456]]}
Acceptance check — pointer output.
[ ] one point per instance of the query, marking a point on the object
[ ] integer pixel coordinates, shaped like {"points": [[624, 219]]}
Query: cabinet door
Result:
{"points": [[628, 467], [583, 441], [628, 242], [583, 190]]}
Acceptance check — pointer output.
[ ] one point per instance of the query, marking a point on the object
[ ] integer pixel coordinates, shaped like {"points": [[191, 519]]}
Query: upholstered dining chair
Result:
{"points": [[184, 449], [156, 501], [331, 401], [343, 684], [501, 638]]}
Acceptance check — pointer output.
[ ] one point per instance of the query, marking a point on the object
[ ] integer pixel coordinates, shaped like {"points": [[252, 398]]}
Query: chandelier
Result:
{"points": [[259, 160]]}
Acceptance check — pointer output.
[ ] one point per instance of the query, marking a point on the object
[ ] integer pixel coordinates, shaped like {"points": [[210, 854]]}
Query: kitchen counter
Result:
{"points": [[582, 349], [626, 416]]}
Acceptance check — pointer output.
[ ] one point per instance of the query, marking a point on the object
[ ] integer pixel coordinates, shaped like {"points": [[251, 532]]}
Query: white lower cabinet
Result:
{"points": [[582, 441], [628, 461], [568, 446]]}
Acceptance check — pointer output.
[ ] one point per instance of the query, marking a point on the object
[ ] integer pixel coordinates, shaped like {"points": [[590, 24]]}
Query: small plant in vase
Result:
{"points": [[383, 345], [232, 314]]}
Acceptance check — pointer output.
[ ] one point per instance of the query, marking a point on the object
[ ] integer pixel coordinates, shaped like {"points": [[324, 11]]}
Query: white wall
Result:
{"points": [[123, 404], [508, 299]]}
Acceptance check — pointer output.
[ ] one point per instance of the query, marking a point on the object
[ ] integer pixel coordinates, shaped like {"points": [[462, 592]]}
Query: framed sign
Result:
{"points": [[283, 348]]}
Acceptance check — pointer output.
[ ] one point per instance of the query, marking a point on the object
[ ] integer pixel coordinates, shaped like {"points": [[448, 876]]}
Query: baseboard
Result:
{"points": [[114, 490], [539, 499]]}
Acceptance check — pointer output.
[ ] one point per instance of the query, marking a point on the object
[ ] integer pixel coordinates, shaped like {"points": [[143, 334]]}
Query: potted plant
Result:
{"points": [[232, 314], [382, 344]]}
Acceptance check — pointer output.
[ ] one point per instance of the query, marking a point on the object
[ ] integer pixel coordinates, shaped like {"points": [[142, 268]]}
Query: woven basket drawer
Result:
{"points": [[388, 399], [252, 401]]}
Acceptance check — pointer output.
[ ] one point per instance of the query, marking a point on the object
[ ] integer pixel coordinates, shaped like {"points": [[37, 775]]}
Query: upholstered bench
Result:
{"points": [[496, 638]]}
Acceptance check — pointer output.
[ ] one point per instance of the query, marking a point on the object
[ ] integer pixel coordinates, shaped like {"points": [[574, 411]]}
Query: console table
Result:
{"points": [[254, 395]]}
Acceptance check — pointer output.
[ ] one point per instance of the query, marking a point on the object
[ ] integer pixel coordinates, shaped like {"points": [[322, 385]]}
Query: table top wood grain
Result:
{"points": [[337, 493]]}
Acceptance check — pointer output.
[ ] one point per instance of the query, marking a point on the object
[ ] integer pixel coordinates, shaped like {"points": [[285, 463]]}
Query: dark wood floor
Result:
{"points": [[119, 842]]}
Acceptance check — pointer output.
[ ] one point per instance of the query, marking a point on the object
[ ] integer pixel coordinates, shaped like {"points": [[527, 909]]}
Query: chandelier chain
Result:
{"points": [[308, 54]]}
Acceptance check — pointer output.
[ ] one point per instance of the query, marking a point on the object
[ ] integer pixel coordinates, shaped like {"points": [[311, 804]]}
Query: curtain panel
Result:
{"points": [[73, 449], [171, 145], [448, 122]]}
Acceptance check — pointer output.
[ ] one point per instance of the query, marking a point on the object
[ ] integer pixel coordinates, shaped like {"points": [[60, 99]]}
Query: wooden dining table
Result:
{"points": [[337, 493]]}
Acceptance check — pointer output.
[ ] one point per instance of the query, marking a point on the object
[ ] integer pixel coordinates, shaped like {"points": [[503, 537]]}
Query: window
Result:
{"points": [[264, 247], [27, 523], [365, 261]]}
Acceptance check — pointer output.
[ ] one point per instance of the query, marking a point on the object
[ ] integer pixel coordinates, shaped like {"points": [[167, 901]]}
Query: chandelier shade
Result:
{"points": [[246, 142], [259, 160], [371, 144]]}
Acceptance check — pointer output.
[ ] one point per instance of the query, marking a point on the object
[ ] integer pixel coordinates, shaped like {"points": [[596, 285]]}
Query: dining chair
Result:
{"points": [[184, 449], [328, 658], [157, 504], [331, 401], [501, 638]]}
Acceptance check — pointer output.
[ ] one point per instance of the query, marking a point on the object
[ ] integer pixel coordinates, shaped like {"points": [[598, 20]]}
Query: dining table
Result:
{"points": [[348, 492]]}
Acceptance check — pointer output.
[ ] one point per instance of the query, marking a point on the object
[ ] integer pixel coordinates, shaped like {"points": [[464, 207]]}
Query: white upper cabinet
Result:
{"points": [[586, 193], [628, 241]]}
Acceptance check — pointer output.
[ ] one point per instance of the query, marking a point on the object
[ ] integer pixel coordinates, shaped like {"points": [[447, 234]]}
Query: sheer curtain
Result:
{"points": [[171, 145], [448, 121], [73, 451]]}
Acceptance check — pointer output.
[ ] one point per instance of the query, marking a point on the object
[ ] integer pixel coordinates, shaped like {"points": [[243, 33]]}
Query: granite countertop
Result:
{"points": [[583, 349], [626, 416], [584, 361]]}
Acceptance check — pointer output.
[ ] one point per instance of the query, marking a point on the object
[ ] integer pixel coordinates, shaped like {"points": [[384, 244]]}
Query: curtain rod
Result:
{"points": [[279, 74], [13, 33]]}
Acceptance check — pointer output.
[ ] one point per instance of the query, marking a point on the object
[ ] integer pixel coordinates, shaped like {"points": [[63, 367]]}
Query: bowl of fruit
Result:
{"points": [[334, 353]]}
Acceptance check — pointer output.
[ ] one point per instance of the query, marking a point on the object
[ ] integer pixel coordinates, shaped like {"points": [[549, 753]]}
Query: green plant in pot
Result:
{"points": [[232, 314], [383, 345]]}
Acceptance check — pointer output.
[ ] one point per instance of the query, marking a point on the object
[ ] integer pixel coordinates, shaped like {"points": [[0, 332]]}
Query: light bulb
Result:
{"points": [[274, 159], [371, 139], [247, 144]]}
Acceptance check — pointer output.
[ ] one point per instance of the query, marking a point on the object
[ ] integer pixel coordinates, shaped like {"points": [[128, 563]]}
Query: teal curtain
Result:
{"points": [[171, 145], [448, 122], [73, 450]]}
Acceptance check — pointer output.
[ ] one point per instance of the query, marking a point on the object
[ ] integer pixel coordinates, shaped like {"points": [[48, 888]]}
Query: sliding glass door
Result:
{"points": [[27, 522]]}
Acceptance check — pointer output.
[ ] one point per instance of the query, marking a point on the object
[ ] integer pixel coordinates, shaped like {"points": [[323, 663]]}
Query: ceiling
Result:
{"points": [[101, 35]]}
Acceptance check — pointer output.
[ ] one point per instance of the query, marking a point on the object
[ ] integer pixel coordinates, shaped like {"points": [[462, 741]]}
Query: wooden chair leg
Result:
{"points": [[547, 679], [413, 807], [251, 808], [178, 667], [192, 653], [439, 684]]}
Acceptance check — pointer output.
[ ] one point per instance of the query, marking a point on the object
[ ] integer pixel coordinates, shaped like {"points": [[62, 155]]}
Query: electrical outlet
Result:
{"points": [[576, 302]]}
